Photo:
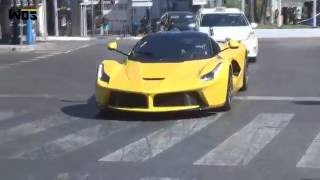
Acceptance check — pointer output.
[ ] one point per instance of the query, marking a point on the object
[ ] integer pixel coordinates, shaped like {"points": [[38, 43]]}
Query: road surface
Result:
{"points": [[50, 128]]}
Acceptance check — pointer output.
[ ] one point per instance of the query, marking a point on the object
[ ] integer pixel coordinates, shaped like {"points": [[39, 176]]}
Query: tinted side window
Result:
{"points": [[215, 47]]}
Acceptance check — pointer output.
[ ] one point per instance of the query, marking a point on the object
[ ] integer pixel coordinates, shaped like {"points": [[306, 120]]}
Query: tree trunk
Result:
{"points": [[256, 10], [263, 11], [251, 10]]}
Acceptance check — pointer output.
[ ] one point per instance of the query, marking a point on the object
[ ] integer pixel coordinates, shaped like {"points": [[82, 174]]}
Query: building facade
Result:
{"points": [[86, 17]]}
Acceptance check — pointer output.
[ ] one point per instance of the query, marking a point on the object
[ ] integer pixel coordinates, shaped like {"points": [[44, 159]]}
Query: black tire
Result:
{"points": [[252, 59], [245, 77], [227, 105]]}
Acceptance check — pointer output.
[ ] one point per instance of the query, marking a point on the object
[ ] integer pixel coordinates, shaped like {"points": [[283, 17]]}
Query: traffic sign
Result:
{"points": [[199, 2], [142, 3]]}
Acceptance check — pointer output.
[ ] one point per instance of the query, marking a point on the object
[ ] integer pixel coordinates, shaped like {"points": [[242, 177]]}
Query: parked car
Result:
{"points": [[176, 20], [228, 23]]}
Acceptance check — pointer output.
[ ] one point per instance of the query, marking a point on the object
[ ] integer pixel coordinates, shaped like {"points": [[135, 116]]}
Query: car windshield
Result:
{"points": [[172, 48], [182, 18], [211, 20]]}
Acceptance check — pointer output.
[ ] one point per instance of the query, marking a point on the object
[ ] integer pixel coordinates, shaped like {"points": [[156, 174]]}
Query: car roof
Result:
{"points": [[220, 10], [179, 12], [178, 33]]}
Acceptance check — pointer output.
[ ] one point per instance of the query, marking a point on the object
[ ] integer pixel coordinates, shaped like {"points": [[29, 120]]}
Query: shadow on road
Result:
{"points": [[307, 103], [91, 111]]}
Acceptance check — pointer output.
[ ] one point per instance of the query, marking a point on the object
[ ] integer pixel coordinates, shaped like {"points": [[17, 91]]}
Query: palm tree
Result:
{"points": [[263, 11], [251, 7]]}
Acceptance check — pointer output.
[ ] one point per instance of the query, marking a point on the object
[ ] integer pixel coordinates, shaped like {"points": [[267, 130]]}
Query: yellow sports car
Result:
{"points": [[173, 71]]}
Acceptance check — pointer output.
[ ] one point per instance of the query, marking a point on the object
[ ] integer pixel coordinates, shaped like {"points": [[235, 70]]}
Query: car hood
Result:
{"points": [[234, 32], [155, 78]]}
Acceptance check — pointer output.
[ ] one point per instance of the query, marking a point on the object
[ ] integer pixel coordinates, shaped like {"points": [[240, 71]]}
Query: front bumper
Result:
{"points": [[208, 97], [158, 109], [252, 47], [137, 102]]}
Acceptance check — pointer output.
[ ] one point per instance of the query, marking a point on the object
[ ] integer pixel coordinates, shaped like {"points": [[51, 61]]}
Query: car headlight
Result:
{"points": [[101, 74], [192, 25], [209, 76], [251, 35]]}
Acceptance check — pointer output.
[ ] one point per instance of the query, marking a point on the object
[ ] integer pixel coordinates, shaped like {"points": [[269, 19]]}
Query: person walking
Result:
{"points": [[106, 26]]}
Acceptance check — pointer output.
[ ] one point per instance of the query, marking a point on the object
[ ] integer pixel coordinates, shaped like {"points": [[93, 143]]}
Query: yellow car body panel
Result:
{"points": [[152, 79]]}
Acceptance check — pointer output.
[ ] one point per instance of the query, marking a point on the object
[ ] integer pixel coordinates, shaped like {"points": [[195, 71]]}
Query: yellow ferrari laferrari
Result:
{"points": [[173, 71]]}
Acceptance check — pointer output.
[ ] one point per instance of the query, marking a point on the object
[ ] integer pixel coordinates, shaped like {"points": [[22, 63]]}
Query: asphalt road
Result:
{"points": [[51, 130]]}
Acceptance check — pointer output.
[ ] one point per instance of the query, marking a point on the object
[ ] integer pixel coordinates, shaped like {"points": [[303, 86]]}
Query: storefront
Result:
{"points": [[9, 27], [292, 11], [73, 18]]}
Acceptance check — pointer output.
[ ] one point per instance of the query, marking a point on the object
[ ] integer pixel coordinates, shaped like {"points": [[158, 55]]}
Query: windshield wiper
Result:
{"points": [[148, 54]]}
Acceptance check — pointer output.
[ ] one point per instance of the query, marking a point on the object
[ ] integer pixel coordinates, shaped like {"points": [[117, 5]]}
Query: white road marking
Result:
{"points": [[245, 144], [159, 178], [34, 59], [276, 98], [311, 158], [71, 142], [159, 141], [26, 96], [81, 47], [43, 56], [68, 176], [6, 115], [69, 51], [63, 145], [30, 128], [27, 61]]}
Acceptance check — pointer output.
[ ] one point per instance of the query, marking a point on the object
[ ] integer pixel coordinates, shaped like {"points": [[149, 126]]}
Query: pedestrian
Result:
{"points": [[276, 14], [143, 25], [106, 26], [135, 27], [304, 11], [299, 14]]}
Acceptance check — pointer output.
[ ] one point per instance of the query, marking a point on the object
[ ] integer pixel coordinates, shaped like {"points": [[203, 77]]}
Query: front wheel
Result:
{"points": [[245, 78], [227, 105], [253, 59]]}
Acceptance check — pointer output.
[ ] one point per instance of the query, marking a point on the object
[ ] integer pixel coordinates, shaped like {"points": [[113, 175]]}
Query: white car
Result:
{"points": [[228, 23]]}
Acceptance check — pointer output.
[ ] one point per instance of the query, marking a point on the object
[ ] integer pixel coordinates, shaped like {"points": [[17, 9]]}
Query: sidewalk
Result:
{"points": [[20, 48], [274, 33], [51, 42], [288, 33]]}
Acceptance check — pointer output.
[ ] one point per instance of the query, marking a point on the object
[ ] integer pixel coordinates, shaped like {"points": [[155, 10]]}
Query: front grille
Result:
{"points": [[128, 100], [178, 99]]}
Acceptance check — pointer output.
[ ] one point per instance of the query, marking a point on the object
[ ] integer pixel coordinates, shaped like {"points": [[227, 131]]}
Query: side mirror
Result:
{"points": [[254, 25], [112, 45], [234, 44]]}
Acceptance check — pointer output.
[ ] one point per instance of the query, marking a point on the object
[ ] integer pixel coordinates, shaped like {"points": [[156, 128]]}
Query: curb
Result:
{"points": [[270, 34], [287, 33], [18, 48], [65, 38]]}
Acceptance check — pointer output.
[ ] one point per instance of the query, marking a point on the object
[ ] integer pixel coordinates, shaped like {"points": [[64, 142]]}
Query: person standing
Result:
{"points": [[143, 24]]}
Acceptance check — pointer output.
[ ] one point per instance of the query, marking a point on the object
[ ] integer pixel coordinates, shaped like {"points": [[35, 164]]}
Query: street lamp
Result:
{"points": [[314, 13]]}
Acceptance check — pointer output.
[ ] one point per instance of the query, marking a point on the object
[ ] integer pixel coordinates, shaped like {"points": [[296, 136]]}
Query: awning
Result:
{"points": [[293, 3]]}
